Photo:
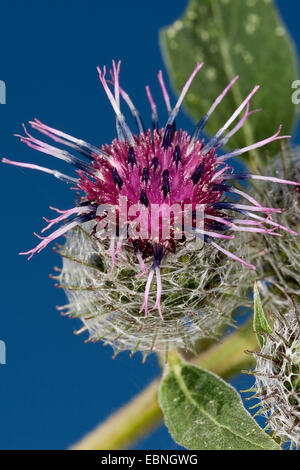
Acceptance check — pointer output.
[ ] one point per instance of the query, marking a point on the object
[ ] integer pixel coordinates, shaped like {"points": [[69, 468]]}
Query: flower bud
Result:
{"points": [[277, 378]]}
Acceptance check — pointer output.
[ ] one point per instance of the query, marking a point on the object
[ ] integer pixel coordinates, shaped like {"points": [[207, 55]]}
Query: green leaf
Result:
{"points": [[203, 412], [234, 37], [259, 319]]}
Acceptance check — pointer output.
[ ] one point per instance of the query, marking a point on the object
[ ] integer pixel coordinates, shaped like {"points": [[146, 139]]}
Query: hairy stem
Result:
{"points": [[143, 413]]}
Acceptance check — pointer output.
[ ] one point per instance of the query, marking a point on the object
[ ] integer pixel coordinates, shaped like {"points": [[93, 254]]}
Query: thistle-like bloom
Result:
{"points": [[277, 377], [158, 166]]}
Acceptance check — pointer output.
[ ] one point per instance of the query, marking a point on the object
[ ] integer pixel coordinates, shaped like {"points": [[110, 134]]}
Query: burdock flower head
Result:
{"points": [[129, 189]]}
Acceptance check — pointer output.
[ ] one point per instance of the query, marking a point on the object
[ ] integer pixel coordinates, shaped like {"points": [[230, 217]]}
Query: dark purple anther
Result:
{"points": [[225, 205], [81, 219], [221, 187], [207, 238], [143, 198], [117, 179], [199, 128], [168, 136], [166, 183], [154, 163], [131, 157], [238, 176], [158, 254], [177, 155], [145, 175], [198, 173], [136, 246], [217, 227]]}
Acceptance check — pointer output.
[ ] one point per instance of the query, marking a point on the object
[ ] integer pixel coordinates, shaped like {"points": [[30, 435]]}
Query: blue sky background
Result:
{"points": [[54, 388]]}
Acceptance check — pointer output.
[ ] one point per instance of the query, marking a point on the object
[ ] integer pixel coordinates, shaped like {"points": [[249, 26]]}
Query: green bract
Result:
{"points": [[201, 290]]}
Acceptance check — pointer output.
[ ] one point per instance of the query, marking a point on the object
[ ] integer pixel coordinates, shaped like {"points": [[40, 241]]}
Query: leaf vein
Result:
{"points": [[182, 385]]}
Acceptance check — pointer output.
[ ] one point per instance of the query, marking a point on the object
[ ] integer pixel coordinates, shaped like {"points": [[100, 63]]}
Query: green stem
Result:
{"points": [[143, 413]]}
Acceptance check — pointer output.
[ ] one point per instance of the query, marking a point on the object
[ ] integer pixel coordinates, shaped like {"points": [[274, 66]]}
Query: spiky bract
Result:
{"points": [[277, 374], [200, 292]]}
